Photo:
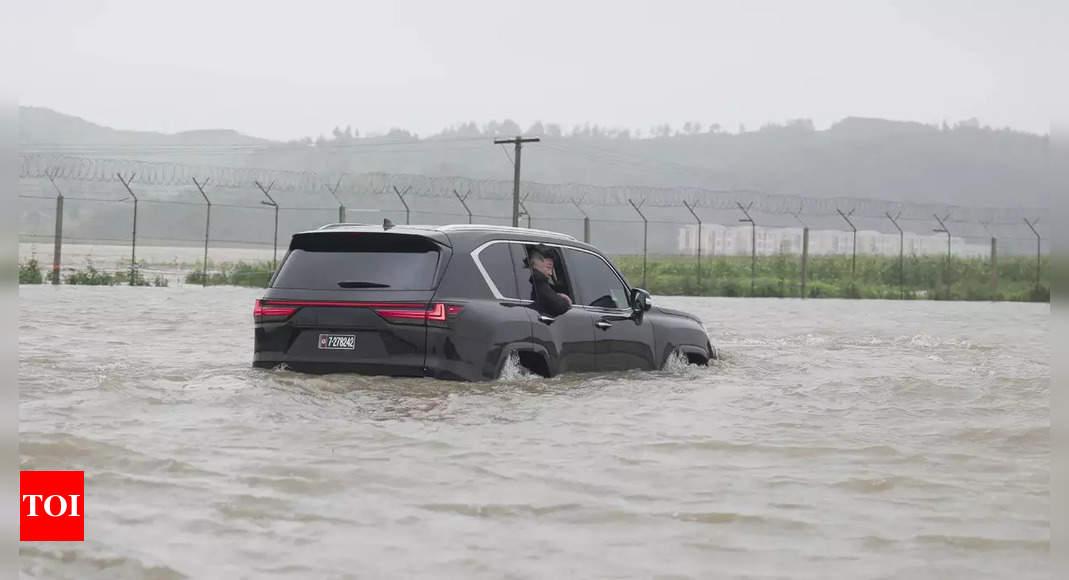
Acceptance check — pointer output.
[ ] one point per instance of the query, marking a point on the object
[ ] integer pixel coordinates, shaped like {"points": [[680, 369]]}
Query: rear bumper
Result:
{"points": [[319, 368], [449, 371]]}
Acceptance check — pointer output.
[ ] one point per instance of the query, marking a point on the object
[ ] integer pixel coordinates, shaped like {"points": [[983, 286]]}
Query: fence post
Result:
{"points": [[994, 268], [207, 229], [267, 193], [645, 230], [401, 195], [805, 249], [523, 207], [57, 249], [341, 206], [753, 242], [901, 255], [853, 259], [133, 237], [699, 220], [944, 230], [586, 222], [463, 202], [1032, 226], [805, 258]]}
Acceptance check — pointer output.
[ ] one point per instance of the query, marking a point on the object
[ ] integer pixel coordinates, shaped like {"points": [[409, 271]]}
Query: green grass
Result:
{"points": [[254, 275], [776, 276], [830, 277]]}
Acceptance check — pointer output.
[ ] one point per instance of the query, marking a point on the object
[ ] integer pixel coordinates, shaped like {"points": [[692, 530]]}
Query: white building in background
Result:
{"points": [[735, 240]]}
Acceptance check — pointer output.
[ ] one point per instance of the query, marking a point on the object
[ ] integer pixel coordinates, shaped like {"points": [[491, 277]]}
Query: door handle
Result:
{"points": [[602, 324], [546, 319]]}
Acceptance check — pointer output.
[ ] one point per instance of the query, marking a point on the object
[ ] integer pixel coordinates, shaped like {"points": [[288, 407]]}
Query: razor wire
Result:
{"points": [[153, 173]]}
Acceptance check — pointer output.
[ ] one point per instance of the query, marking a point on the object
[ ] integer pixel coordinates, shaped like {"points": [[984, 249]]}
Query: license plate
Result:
{"points": [[337, 342]]}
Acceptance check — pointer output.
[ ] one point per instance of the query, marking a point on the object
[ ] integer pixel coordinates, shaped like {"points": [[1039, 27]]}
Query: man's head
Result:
{"points": [[541, 258]]}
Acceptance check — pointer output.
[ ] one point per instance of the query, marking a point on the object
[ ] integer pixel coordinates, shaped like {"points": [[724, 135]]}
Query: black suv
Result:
{"points": [[455, 302]]}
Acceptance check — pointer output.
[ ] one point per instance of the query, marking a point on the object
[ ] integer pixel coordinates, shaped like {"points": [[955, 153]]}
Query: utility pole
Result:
{"points": [[518, 142], [133, 238]]}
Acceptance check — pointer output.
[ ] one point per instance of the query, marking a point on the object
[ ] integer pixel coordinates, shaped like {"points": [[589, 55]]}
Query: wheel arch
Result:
{"points": [[534, 357]]}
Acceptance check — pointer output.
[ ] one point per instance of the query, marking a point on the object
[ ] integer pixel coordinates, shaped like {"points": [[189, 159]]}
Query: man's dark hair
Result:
{"points": [[537, 251], [541, 251]]}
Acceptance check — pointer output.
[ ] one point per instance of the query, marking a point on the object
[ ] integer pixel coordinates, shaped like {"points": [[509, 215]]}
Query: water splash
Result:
{"points": [[512, 370], [677, 364]]}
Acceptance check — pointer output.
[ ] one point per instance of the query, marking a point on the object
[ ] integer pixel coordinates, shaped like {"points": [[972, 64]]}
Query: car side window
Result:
{"points": [[496, 259], [594, 281], [558, 282]]}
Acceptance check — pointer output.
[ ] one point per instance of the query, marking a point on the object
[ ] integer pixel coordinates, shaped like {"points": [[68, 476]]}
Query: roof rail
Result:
{"points": [[462, 228], [340, 225], [504, 229]]}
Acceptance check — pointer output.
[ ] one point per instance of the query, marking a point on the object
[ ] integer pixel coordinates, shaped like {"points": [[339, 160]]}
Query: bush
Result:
{"points": [[123, 277], [256, 275], [849, 290], [30, 272], [91, 277]]}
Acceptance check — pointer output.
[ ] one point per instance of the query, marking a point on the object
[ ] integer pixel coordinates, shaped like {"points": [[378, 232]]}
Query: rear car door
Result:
{"points": [[624, 339], [495, 319]]}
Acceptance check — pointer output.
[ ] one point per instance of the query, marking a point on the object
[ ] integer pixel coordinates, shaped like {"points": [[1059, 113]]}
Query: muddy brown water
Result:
{"points": [[836, 439]]}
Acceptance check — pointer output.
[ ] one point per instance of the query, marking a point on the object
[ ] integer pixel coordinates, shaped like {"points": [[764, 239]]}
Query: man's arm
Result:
{"points": [[545, 298]]}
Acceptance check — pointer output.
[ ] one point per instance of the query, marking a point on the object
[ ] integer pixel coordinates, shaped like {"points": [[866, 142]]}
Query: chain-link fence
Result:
{"points": [[185, 223]]}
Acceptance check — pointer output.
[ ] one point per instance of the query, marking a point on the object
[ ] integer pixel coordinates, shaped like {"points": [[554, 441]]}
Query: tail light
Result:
{"points": [[264, 313], [438, 315]]}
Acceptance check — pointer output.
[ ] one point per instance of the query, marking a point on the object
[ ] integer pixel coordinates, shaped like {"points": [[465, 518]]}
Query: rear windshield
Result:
{"points": [[356, 261]]}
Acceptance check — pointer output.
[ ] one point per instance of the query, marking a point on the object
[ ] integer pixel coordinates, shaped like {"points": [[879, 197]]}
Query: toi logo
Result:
{"points": [[51, 506]]}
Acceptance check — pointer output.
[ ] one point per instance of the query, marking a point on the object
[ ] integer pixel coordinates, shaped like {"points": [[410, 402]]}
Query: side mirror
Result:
{"points": [[640, 300]]}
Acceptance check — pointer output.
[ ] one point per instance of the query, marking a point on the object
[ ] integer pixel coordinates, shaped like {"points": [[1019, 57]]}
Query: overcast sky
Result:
{"points": [[291, 69]]}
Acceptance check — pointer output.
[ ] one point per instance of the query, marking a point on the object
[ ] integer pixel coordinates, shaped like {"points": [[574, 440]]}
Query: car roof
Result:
{"points": [[469, 231]]}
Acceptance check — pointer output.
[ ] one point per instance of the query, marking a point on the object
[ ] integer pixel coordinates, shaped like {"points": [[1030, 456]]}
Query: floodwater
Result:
{"points": [[169, 262], [836, 439]]}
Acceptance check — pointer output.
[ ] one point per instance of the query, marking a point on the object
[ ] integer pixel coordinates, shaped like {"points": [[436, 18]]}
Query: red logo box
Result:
{"points": [[52, 506]]}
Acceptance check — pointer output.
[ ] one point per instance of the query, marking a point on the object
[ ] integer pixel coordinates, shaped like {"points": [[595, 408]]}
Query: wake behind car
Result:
{"points": [[455, 302]]}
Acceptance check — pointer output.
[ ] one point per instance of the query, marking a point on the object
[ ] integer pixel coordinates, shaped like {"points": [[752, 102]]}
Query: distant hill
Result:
{"points": [[41, 126], [963, 164]]}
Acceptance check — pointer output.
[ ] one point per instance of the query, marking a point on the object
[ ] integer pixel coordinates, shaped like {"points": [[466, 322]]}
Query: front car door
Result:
{"points": [[568, 338], [624, 339]]}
